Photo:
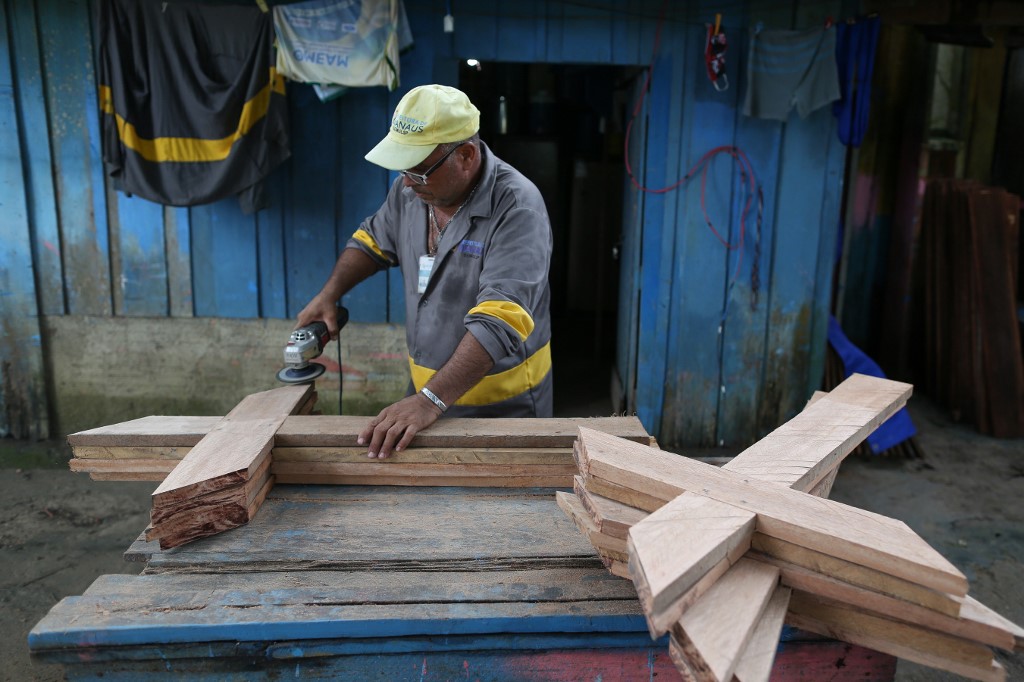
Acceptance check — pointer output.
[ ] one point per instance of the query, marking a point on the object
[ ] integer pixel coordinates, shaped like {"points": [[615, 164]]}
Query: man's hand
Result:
{"points": [[320, 308], [396, 425]]}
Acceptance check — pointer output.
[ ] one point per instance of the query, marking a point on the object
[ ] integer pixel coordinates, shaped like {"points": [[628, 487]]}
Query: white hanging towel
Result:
{"points": [[354, 43]]}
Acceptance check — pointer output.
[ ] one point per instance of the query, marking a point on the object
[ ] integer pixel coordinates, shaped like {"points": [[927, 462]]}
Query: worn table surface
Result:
{"points": [[377, 582]]}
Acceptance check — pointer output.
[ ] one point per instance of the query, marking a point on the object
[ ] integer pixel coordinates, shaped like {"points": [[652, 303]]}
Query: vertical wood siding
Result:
{"points": [[693, 377]]}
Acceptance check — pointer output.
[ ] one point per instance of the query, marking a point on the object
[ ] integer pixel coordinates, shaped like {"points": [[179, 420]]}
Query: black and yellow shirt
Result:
{"points": [[192, 108], [490, 277]]}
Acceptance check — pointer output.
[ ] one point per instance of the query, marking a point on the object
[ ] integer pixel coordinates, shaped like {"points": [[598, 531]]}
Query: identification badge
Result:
{"points": [[426, 267]]}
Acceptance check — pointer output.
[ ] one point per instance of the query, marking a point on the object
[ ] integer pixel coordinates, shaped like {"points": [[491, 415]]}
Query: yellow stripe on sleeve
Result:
{"points": [[508, 312], [364, 238]]}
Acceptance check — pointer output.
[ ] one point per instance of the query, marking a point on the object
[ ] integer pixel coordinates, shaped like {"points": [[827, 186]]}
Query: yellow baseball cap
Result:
{"points": [[427, 116]]}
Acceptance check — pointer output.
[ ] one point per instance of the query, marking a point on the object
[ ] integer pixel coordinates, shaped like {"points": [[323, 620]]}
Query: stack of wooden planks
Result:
{"points": [[222, 481], [722, 557], [968, 272], [323, 450]]}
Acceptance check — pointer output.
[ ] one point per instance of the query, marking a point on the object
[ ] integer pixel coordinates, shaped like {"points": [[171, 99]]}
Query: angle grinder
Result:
{"points": [[305, 344]]}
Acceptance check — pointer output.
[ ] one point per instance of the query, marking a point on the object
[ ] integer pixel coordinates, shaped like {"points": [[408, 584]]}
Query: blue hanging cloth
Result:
{"points": [[898, 427], [855, 57]]}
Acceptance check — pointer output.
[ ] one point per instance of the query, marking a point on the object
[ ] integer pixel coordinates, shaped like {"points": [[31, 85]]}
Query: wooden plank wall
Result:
{"points": [[96, 252]]}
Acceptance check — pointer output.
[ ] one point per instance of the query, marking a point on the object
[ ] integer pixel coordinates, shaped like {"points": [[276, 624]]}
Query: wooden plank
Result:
{"points": [[105, 456], [819, 585], [824, 525], [224, 258], [799, 453], [74, 130], [611, 517], [92, 621], [232, 451], [22, 372], [911, 642], [485, 432], [857, 575], [755, 663], [302, 527], [428, 455], [242, 494], [1002, 368], [674, 547], [124, 466], [573, 508], [543, 481], [152, 431], [38, 169], [712, 643], [385, 469], [341, 431], [226, 456]]}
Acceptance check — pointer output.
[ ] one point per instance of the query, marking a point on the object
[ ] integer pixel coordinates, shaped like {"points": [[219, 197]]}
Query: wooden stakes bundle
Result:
{"points": [[969, 334], [323, 450], [222, 481], [722, 551]]}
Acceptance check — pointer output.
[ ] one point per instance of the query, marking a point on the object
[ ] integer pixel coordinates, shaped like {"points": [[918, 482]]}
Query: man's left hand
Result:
{"points": [[396, 425]]}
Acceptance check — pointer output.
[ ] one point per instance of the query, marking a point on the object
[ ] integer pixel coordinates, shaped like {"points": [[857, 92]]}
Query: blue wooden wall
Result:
{"points": [[702, 365]]}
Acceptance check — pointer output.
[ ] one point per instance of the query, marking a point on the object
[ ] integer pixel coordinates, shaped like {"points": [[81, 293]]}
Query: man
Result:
{"points": [[473, 241]]}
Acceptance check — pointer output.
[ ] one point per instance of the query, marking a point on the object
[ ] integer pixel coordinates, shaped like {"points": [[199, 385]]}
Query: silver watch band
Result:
{"points": [[434, 399]]}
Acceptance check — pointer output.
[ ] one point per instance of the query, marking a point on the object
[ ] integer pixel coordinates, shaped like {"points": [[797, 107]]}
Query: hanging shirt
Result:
{"points": [[791, 68], [341, 42], [192, 108]]}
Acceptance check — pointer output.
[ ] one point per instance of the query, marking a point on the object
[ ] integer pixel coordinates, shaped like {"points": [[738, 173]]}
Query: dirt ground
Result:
{"points": [[59, 530]]}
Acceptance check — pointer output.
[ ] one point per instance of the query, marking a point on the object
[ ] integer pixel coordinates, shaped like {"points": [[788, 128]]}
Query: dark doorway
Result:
{"points": [[561, 126]]}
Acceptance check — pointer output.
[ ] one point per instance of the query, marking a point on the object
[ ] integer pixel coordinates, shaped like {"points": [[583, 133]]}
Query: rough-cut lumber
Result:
{"points": [[226, 456], [611, 517], [232, 451], [447, 433], [384, 468], [547, 481], [712, 644], [426, 455], [241, 494], [573, 508], [755, 664], [913, 643], [824, 525], [857, 575], [152, 431], [679, 544], [803, 453], [221, 482], [823, 586]]}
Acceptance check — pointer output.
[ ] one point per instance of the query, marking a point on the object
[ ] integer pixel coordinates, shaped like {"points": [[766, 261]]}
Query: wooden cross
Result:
{"points": [[729, 553]]}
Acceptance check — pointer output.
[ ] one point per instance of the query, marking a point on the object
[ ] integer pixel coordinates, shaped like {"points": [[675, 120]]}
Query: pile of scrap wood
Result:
{"points": [[216, 472], [969, 327], [721, 557]]}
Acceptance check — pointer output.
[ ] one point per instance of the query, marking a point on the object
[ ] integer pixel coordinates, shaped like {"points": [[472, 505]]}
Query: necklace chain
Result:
{"points": [[435, 227]]}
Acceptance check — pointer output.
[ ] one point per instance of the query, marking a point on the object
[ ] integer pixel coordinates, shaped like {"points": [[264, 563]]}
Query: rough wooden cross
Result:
{"points": [[715, 563]]}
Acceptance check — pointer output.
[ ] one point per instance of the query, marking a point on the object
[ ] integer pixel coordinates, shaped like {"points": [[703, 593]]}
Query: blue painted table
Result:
{"points": [[385, 583]]}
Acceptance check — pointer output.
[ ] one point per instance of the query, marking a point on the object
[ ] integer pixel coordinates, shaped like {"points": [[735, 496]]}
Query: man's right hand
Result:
{"points": [[320, 308]]}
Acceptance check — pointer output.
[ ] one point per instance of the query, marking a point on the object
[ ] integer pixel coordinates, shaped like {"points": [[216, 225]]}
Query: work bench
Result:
{"points": [[391, 583]]}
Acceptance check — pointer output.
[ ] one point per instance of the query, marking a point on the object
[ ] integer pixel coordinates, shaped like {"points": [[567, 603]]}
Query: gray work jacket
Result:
{"points": [[490, 277]]}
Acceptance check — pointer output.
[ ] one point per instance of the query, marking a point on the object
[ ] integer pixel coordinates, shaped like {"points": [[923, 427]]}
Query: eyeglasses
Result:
{"points": [[421, 178]]}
